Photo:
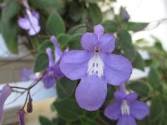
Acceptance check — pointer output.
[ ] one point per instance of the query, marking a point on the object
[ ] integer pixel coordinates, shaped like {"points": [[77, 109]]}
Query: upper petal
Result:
{"points": [[99, 30], [91, 93], [139, 110], [24, 23], [107, 42], [126, 120], [74, 64], [117, 69], [113, 111], [89, 41], [131, 96]]}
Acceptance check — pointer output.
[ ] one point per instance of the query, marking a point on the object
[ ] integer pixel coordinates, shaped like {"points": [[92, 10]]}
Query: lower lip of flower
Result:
{"points": [[125, 110], [96, 65]]}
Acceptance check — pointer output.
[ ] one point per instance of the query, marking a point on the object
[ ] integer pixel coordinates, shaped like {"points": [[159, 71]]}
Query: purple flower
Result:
{"points": [[21, 117], [27, 74], [126, 108], [95, 66], [53, 71], [4, 93], [124, 14], [30, 22]]}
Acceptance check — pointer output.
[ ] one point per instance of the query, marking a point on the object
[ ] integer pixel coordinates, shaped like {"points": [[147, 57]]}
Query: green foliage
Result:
{"points": [[125, 42], [41, 62], [68, 109], [55, 24]]}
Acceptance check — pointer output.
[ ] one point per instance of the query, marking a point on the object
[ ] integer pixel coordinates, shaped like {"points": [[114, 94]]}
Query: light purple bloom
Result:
{"points": [[30, 22], [21, 117], [95, 66], [53, 71], [126, 108], [27, 74], [4, 93]]}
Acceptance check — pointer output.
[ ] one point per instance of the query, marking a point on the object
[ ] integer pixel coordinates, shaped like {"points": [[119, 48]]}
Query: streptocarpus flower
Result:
{"points": [[126, 108], [53, 71], [30, 22], [21, 117], [27, 74], [4, 93], [95, 66]]}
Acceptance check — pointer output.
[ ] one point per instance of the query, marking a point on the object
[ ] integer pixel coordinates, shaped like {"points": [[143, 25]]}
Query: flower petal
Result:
{"points": [[107, 42], [89, 41], [24, 23], [131, 96], [126, 120], [6, 91], [99, 30], [74, 64], [139, 110], [117, 69], [113, 111], [91, 93], [119, 95], [49, 81]]}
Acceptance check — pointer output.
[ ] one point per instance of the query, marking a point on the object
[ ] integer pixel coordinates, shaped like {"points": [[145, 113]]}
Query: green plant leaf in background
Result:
{"points": [[95, 13], [110, 26], [139, 62], [8, 25], [44, 121], [125, 42], [41, 62], [55, 24], [68, 109], [65, 88], [135, 26]]}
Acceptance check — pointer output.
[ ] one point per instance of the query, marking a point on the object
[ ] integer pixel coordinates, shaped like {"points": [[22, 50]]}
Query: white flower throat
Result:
{"points": [[125, 110], [96, 66]]}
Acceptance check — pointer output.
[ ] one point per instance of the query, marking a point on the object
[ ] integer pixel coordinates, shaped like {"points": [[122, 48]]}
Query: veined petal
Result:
{"points": [[113, 111], [91, 93], [74, 64], [139, 110], [119, 95], [89, 41], [107, 42], [126, 120], [117, 69]]}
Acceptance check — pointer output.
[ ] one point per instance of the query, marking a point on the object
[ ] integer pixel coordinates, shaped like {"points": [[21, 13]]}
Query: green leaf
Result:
{"points": [[141, 88], [9, 28], [95, 13], [154, 79], [65, 88], [44, 121], [55, 24], [44, 45], [9, 33], [63, 39], [41, 62], [110, 26], [68, 109], [10, 10], [88, 121], [125, 42], [48, 5], [133, 26], [81, 28], [74, 41], [139, 62]]}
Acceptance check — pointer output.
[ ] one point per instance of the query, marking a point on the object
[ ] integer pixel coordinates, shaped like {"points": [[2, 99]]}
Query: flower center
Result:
{"points": [[96, 66], [125, 110]]}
